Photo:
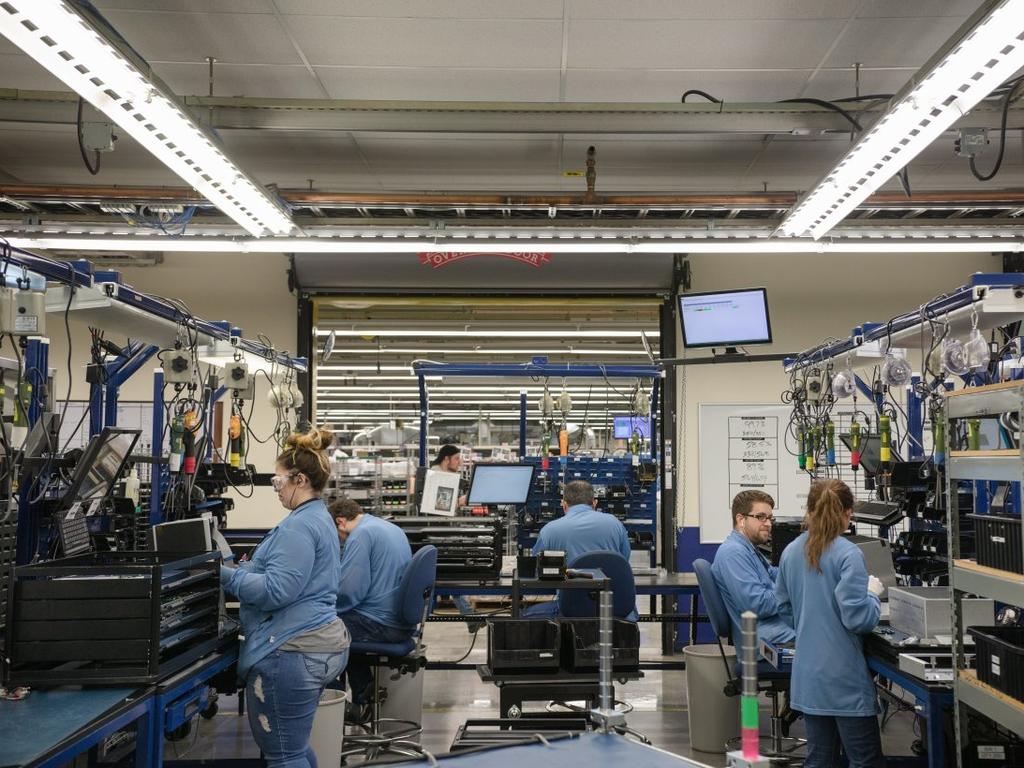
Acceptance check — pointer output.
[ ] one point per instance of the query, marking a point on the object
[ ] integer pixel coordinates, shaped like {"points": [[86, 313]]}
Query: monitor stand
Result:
{"points": [[722, 355]]}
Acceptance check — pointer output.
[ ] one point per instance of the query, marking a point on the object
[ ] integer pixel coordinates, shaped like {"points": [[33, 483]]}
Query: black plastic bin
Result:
{"points": [[999, 658], [524, 645], [998, 542], [580, 651]]}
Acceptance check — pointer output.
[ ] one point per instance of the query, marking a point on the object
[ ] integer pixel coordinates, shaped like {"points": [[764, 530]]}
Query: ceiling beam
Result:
{"points": [[244, 113]]}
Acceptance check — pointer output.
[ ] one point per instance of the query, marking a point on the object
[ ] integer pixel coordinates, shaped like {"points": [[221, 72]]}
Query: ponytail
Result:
{"points": [[305, 452], [827, 504]]}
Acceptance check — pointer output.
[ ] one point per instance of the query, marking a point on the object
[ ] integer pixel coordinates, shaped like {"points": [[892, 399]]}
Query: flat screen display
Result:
{"points": [[101, 463], [500, 483], [725, 318], [625, 426]]}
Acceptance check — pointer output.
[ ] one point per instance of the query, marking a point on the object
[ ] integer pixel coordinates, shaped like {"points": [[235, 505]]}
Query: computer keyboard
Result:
{"points": [[74, 534]]}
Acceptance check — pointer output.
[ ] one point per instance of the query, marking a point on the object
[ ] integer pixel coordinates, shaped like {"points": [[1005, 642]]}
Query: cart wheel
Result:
{"points": [[210, 712], [180, 732]]}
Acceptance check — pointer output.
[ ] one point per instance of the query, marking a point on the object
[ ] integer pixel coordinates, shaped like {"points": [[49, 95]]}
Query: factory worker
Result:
{"points": [[581, 529], [294, 641], [376, 557], [822, 577], [744, 576], [449, 459]]}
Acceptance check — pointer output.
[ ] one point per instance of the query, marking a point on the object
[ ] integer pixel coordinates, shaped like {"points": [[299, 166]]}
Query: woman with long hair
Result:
{"points": [[834, 601], [294, 641]]}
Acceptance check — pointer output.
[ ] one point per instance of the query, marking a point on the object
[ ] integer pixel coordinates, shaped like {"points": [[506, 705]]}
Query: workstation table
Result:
{"points": [[670, 587], [50, 727]]}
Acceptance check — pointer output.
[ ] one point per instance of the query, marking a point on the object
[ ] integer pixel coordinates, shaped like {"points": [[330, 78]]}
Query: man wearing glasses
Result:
{"points": [[744, 576]]}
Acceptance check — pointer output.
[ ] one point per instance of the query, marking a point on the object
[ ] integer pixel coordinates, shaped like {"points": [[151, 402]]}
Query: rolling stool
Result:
{"points": [[770, 681], [415, 596]]}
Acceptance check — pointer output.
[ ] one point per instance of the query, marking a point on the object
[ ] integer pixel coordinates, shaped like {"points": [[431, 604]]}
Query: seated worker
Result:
{"points": [[745, 577], [580, 530], [373, 563]]}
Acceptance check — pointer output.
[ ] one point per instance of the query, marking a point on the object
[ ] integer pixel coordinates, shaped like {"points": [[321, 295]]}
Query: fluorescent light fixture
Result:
{"points": [[62, 41], [987, 50], [886, 243]]}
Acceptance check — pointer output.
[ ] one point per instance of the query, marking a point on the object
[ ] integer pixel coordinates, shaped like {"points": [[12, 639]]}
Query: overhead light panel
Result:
{"points": [[66, 44], [987, 51]]}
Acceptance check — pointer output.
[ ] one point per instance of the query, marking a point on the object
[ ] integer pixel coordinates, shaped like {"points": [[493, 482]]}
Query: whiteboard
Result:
{"points": [[743, 446]]}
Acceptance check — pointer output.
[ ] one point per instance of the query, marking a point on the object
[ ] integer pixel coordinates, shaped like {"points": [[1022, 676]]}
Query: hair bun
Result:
{"points": [[316, 440]]}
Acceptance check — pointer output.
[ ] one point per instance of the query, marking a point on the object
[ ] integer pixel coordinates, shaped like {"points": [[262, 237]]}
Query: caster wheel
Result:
{"points": [[210, 712], [180, 732]]}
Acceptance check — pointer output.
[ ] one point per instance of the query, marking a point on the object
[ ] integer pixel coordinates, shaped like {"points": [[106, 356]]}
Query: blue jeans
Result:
{"points": [[860, 737], [366, 630], [282, 692]]}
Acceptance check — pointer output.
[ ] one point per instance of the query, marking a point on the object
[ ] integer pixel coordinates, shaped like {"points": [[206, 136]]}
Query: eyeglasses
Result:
{"points": [[278, 482], [762, 518]]}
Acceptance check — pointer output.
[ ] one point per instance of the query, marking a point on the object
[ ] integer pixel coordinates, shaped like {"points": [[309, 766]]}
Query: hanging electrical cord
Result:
{"points": [[81, 144], [1007, 100]]}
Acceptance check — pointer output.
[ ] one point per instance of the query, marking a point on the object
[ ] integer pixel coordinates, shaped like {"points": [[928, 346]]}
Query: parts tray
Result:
{"points": [[111, 618], [999, 657], [467, 547], [998, 541]]}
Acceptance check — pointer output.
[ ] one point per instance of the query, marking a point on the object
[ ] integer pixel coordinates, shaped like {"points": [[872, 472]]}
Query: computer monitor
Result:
{"points": [[725, 318], [44, 437], [870, 452], [625, 426], [101, 464], [500, 483]]}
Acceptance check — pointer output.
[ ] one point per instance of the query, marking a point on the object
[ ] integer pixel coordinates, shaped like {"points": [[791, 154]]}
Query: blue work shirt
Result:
{"points": [[746, 581], [289, 585], [376, 557], [832, 608], [583, 529]]}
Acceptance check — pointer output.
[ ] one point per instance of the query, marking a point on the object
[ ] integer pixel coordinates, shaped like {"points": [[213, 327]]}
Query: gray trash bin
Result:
{"points": [[329, 727], [714, 717]]}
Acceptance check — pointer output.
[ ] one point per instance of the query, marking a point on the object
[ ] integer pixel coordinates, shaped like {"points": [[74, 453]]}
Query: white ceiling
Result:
{"points": [[528, 50]]}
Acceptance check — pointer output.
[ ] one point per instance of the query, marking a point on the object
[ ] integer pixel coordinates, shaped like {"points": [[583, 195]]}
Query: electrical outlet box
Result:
{"points": [[817, 385], [177, 365], [98, 136], [22, 312], [971, 142], [236, 376]]}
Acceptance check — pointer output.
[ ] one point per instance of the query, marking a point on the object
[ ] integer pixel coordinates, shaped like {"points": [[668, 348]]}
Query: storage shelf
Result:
{"points": [[993, 704], [987, 400], [999, 466], [1003, 586]]}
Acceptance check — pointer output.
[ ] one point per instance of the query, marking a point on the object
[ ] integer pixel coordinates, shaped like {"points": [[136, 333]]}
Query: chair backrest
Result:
{"points": [[579, 604], [717, 613], [416, 592]]}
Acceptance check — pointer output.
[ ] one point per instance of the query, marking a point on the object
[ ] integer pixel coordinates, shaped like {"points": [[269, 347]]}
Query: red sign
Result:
{"points": [[443, 258]]}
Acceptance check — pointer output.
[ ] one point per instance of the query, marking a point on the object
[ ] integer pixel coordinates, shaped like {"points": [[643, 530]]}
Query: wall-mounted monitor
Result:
{"points": [[725, 318], [625, 426]]}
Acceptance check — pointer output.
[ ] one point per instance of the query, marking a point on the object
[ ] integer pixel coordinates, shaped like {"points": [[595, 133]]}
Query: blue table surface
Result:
{"points": [[585, 751], [30, 727]]}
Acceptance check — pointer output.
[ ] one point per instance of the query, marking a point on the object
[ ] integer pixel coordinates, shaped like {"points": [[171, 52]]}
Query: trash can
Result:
{"points": [[714, 717], [329, 727]]}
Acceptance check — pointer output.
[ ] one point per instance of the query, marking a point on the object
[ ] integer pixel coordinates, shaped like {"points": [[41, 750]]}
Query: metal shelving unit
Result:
{"points": [[966, 576]]}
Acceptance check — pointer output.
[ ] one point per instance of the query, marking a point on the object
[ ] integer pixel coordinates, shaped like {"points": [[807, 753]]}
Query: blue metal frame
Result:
{"points": [[932, 701], [868, 332], [37, 355], [119, 371], [156, 512]]}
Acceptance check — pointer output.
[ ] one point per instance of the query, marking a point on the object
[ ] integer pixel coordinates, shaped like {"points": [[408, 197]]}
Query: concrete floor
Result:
{"points": [[451, 697]]}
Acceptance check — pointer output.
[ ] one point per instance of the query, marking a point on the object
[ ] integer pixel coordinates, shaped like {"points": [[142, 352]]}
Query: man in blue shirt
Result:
{"points": [[375, 556], [581, 529], [744, 576]]}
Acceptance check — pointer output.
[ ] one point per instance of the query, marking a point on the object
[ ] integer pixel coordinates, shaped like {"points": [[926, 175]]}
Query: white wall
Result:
{"points": [[811, 298], [250, 291]]}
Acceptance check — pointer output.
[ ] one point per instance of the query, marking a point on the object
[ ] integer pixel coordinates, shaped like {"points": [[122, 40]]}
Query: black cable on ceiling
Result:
{"points": [[702, 94], [81, 144], [1007, 100]]}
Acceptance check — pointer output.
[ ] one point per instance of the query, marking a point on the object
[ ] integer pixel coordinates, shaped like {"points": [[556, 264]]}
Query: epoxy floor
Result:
{"points": [[451, 697]]}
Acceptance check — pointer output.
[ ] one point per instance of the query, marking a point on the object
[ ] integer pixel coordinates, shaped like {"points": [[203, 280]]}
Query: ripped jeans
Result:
{"points": [[282, 692]]}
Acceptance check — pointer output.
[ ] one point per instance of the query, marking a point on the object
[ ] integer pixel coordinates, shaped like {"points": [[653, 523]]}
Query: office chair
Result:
{"points": [[416, 594], [574, 603], [770, 681]]}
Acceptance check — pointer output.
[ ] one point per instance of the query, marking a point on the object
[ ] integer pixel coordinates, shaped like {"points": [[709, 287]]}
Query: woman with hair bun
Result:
{"points": [[823, 579], [294, 641]]}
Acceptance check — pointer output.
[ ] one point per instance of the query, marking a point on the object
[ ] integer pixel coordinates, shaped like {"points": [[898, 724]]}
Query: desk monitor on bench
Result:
{"points": [[500, 483], [101, 464]]}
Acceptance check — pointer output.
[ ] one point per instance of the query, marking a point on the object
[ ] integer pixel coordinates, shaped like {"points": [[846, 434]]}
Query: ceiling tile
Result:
{"points": [[20, 71], [231, 38], [660, 86], [436, 9], [459, 43], [291, 81], [892, 42], [693, 44], [186, 6], [722, 9], [917, 9], [440, 84]]}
